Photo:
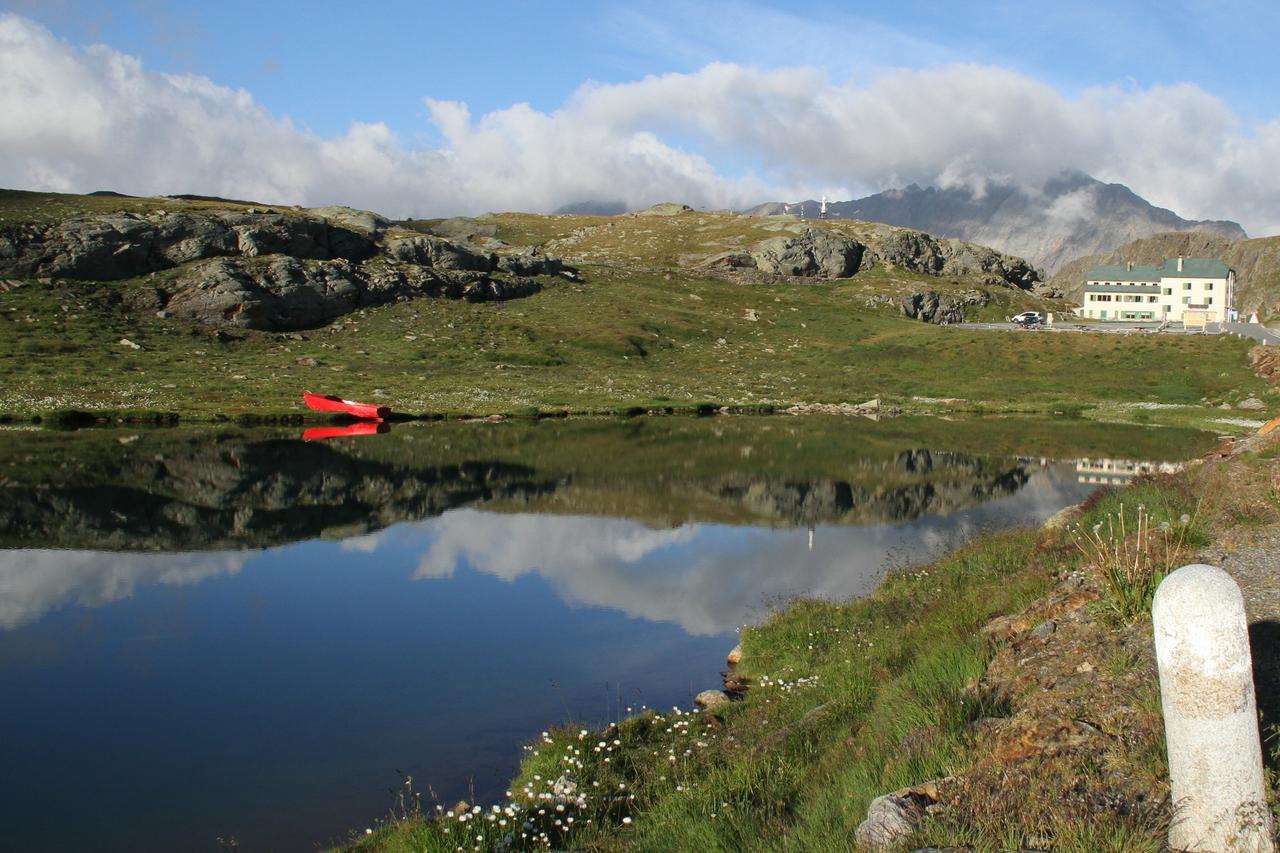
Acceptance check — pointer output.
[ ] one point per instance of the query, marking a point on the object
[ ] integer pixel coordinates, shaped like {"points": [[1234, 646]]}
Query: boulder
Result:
{"points": [[811, 253], [530, 261], [437, 252], [365, 222], [891, 820], [711, 699]]}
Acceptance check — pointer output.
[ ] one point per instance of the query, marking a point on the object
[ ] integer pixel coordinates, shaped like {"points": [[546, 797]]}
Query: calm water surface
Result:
{"points": [[240, 635]]}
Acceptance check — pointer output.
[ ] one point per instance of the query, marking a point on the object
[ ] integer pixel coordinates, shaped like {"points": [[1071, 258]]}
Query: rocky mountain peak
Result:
{"points": [[1071, 215]]}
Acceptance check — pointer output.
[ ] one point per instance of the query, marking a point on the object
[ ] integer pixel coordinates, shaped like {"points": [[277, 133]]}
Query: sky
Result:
{"points": [[431, 109]]}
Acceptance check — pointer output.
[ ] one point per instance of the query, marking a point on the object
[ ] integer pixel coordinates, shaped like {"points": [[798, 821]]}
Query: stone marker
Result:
{"points": [[1210, 717]]}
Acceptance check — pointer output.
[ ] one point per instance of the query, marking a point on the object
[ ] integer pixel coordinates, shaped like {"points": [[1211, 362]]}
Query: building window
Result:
{"points": [[1151, 299], [1208, 285], [1186, 285], [1168, 291], [1186, 300], [1208, 300]]}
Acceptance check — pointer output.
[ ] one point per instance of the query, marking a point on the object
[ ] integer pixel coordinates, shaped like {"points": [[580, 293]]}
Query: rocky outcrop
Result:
{"points": [[125, 245], [267, 270], [1069, 216], [811, 253], [932, 307], [920, 252], [285, 294], [366, 222], [437, 252]]}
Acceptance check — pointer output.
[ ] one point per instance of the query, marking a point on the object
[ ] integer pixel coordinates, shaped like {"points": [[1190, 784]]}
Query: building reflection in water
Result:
{"points": [[1119, 472]]}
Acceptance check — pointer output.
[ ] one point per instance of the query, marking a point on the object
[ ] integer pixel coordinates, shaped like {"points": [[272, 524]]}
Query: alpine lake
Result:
{"points": [[235, 638]]}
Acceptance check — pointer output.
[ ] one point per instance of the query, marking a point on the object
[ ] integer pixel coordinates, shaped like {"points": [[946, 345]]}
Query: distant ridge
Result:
{"points": [[1072, 215]]}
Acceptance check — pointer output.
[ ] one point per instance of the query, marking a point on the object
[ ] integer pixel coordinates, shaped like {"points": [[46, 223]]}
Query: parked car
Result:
{"points": [[1027, 318]]}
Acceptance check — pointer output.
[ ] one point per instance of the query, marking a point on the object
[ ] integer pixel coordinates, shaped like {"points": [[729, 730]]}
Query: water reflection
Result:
{"points": [[244, 634], [35, 581], [1120, 472]]}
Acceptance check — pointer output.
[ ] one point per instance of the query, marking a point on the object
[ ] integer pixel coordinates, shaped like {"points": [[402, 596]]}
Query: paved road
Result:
{"points": [[1255, 331], [1259, 333]]}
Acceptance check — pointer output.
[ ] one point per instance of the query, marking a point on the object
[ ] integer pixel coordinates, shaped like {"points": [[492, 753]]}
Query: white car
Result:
{"points": [[1027, 318]]}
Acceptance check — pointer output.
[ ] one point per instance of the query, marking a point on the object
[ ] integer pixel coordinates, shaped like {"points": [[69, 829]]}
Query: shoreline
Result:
{"points": [[923, 689]]}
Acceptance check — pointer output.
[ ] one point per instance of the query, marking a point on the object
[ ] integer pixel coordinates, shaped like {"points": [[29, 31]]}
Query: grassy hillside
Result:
{"points": [[1256, 262], [643, 327]]}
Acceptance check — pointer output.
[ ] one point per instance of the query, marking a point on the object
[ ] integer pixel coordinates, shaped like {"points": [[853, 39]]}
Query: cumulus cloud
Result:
{"points": [[708, 579], [33, 582], [94, 118]]}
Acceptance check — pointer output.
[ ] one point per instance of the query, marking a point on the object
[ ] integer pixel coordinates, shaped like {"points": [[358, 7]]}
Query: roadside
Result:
{"points": [[1253, 331]]}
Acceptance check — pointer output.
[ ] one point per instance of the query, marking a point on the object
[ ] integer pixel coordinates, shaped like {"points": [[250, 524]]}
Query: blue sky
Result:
{"points": [[326, 66], [327, 63]]}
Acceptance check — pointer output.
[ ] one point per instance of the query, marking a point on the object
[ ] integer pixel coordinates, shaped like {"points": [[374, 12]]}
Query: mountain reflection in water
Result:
{"points": [[241, 634]]}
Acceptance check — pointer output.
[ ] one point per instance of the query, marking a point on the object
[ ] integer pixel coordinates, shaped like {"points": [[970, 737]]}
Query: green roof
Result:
{"points": [[1120, 272], [1191, 268]]}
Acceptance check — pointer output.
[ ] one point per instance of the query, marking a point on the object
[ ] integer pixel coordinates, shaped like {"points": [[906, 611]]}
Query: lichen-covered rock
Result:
{"points": [[438, 252], [920, 252], [811, 253], [891, 820], [531, 261], [711, 699], [125, 245], [281, 294], [931, 307], [285, 294], [366, 222]]}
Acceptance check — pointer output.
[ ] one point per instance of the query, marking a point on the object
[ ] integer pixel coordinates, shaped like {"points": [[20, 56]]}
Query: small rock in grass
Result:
{"points": [[735, 655], [710, 699], [890, 820], [308, 361], [125, 342]]}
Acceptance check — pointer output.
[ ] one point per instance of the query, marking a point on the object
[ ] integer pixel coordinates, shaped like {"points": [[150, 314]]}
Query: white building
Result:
{"points": [[1192, 286]]}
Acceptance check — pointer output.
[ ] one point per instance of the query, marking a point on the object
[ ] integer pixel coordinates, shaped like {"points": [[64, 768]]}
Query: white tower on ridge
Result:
{"points": [[822, 210]]}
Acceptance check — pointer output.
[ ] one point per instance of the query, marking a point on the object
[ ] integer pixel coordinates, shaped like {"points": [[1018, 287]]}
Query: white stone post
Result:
{"points": [[1210, 716]]}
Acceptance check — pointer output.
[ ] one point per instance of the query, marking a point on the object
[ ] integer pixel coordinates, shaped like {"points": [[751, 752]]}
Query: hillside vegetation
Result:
{"points": [[519, 313]]}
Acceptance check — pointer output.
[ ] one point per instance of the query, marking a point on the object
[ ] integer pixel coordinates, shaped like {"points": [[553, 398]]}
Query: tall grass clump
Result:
{"points": [[1131, 555]]}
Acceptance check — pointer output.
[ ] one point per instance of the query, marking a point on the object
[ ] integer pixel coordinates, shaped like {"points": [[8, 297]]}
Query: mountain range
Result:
{"points": [[1071, 216]]}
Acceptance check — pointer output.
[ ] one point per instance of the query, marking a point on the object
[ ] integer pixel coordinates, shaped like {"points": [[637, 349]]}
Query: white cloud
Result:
{"points": [[708, 579], [95, 118], [32, 582]]}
